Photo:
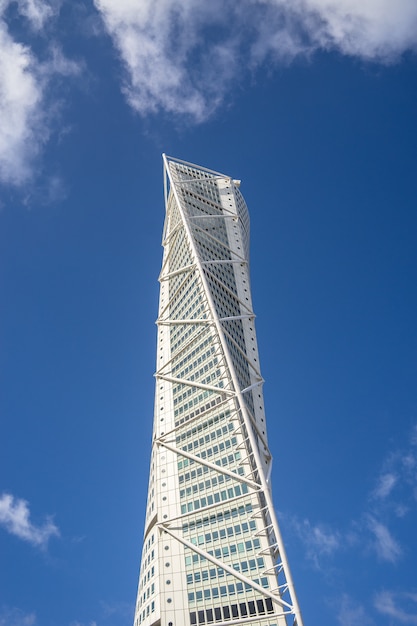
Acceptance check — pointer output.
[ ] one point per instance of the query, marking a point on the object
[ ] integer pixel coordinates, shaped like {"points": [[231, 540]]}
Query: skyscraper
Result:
{"points": [[212, 550]]}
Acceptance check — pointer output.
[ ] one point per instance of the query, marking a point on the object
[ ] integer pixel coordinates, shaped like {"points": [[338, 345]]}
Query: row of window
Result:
{"points": [[189, 314], [192, 403], [231, 458], [149, 542], [183, 300], [223, 533], [217, 497], [211, 378], [210, 230], [203, 426], [242, 212], [243, 509], [146, 611], [224, 552], [243, 609], [149, 558], [214, 481], [224, 273], [179, 254], [217, 479], [147, 576], [203, 203], [214, 238], [209, 195], [217, 572], [179, 257], [203, 186], [234, 328], [235, 548], [226, 304], [206, 407], [147, 593], [213, 593], [207, 216], [196, 376], [181, 333], [177, 368], [219, 448], [240, 363], [209, 249]]}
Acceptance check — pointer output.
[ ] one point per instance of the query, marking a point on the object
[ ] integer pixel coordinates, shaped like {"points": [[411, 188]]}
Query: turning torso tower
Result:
{"points": [[212, 549]]}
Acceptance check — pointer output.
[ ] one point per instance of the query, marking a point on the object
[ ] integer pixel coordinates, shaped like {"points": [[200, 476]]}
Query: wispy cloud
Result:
{"points": [[36, 11], [25, 80], [118, 609], [351, 613], [392, 498], [15, 518], [400, 606], [320, 541], [110, 612], [385, 485], [16, 617], [397, 483], [185, 58], [386, 547]]}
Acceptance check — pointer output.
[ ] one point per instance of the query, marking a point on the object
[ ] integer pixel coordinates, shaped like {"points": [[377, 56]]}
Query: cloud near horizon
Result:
{"points": [[15, 518], [184, 58]]}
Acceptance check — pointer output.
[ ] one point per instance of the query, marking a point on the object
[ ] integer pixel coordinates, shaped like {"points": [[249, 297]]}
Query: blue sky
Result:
{"points": [[313, 105]]}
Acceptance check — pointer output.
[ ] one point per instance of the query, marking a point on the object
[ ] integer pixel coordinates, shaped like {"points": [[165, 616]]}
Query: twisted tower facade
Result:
{"points": [[212, 549]]}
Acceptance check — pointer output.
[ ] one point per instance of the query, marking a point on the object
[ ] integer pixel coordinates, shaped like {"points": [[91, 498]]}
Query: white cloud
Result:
{"points": [[186, 57], [373, 528], [351, 613], [21, 130], [157, 42], [25, 112], [386, 547], [16, 617], [402, 606], [319, 541], [15, 518], [377, 30], [59, 64], [120, 609], [397, 481], [36, 11], [385, 485]]}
